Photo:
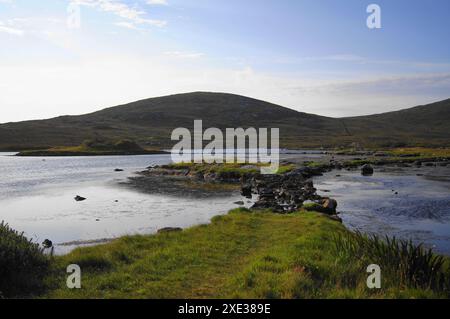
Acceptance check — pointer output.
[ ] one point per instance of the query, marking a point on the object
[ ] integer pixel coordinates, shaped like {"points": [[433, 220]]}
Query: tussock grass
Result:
{"points": [[238, 169], [402, 261], [23, 264]]}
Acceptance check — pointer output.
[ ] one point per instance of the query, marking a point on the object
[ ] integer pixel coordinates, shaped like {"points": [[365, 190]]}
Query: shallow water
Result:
{"points": [[394, 202], [37, 197]]}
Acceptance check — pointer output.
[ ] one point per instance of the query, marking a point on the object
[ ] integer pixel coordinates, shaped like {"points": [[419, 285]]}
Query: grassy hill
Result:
{"points": [[426, 125], [151, 121]]}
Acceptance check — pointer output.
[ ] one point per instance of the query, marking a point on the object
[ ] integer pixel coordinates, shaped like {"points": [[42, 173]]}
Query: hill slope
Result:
{"points": [[426, 124], [151, 121]]}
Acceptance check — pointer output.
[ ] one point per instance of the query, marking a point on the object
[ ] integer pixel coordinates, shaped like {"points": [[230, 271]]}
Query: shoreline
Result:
{"points": [[236, 255], [73, 154], [241, 246]]}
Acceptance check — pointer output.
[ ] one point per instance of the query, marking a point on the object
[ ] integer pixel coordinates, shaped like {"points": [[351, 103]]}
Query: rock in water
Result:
{"points": [[47, 243], [367, 170], [246, 191], [118, 170], [329, 206], [79, 198]]}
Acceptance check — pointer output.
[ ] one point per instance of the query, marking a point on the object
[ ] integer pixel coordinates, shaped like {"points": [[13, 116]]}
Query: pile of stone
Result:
{"points": [[281, 193]]}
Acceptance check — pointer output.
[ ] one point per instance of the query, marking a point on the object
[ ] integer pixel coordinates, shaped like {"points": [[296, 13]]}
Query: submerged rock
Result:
{"points": [[367, 170], [79, 198]]}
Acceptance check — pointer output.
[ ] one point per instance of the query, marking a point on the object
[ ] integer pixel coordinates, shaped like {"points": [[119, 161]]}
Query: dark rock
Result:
{"points": [[240, 203], [79, 198], [410, 155], [118, 170], [367, 170], [169, 230], [246, 191], [329, 206], [47, 243]]}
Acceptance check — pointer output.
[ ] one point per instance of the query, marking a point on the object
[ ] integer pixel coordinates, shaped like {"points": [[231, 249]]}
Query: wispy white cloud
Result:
{"points": [[157, 2], [126, 25], [122, 10], [356, 59], [7, 28], [11, 31], [185, 55]]}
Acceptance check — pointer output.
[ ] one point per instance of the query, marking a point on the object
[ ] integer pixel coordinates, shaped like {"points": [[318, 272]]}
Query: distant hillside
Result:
{"points": [[151, 121], [421, 125]]}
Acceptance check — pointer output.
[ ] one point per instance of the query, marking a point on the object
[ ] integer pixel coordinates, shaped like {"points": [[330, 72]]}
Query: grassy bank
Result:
{"points": [[238, 169], [94, 148], [243, 254]]}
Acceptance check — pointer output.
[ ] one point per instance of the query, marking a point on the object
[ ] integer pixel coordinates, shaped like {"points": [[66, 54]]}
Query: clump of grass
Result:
{"points": [[23, 264], [234, 169], [410, 265]]}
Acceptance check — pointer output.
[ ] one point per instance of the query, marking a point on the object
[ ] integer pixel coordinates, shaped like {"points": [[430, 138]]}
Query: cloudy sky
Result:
{"points": [[313, 56]]}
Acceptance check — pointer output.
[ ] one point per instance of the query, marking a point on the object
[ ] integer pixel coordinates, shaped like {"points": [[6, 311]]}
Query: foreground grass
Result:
{"points": [[239, 255]]}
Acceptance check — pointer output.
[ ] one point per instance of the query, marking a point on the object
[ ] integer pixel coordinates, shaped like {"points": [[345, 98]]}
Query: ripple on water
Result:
{"points": [[395, 203]]}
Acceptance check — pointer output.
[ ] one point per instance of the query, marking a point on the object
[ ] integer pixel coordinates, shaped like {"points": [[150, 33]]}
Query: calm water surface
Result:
{"points": [[36, 196]]}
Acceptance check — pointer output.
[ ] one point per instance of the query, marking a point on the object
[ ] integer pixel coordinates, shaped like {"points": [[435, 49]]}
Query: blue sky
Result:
{"points": [[313, 56]]}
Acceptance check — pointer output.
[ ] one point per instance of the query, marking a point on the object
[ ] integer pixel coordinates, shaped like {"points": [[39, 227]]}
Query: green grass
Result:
{"points": [[240, 255], [238, 169], [421, 151], [403, 262], [22, 264], [92, 148]]}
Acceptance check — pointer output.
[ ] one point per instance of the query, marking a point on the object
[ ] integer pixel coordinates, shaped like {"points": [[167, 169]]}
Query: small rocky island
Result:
{"points": [[290, 190]]}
